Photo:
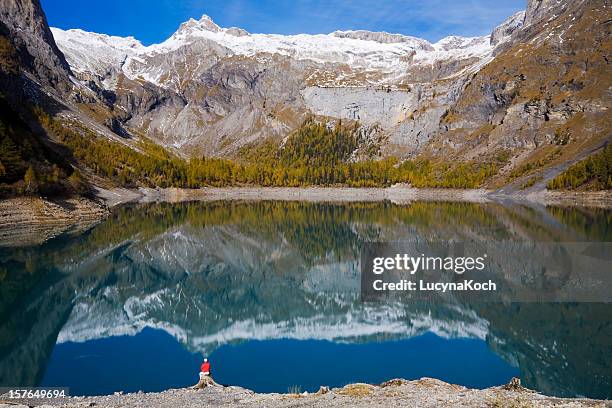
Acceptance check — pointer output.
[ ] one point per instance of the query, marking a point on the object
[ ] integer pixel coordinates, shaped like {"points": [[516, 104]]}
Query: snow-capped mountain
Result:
{"points": [[391, 54], [96, 53], [211, 90]]}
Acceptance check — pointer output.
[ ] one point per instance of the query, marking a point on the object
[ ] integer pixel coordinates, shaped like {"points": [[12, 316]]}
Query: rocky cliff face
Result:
{"points": [[24, 25], [538, 10], [504, 31]]}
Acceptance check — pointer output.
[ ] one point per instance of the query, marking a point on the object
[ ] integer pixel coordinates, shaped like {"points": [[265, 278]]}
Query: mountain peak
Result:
{"points": [[205, 23]]}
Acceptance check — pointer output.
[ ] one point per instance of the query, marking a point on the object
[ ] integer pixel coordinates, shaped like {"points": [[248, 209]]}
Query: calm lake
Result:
{"points": [[270, 292]]}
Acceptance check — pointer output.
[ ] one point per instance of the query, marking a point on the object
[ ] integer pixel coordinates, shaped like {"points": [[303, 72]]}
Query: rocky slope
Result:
{"points": [[425, 392], [23, 23], [544, 97], [34, 75]]}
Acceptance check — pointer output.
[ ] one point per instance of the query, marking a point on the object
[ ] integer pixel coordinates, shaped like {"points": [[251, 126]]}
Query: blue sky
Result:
{"points": [[152, 21]]}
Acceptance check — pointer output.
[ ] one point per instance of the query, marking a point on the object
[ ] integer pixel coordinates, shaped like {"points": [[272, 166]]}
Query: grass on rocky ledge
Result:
{"points": [[356, 390], [502, 401]]}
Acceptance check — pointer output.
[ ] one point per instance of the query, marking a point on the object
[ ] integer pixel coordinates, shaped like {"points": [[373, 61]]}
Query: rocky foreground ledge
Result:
{"points": [[426, 392], [33, 220]]}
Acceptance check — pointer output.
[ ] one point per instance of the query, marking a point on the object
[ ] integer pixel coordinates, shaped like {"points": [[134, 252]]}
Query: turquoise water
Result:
{"points": [[270, 293]]}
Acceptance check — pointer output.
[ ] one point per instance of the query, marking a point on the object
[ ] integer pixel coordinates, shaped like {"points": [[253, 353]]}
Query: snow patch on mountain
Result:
{"points": [[454, 47], [95, 53], [362, 49], [383, 37], [388, 53]]}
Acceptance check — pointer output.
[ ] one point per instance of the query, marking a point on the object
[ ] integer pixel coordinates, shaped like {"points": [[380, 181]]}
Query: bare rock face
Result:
{"points": [[409, 116], [502, 32], [537, 10], [367, 105], [25, 24]]}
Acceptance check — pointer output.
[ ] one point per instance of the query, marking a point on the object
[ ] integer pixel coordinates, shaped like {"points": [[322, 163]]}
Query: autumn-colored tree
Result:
{"points": [[78, 183], [314, 154], [593, 173], [30, 180]]}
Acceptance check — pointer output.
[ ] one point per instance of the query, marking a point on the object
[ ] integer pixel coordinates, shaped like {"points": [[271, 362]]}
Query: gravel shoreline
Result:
{"points": [[396, 194], [34, 220], [426, 392]]}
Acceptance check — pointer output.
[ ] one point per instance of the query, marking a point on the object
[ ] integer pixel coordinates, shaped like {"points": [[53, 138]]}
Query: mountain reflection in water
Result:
{"points": [[228, 274]]}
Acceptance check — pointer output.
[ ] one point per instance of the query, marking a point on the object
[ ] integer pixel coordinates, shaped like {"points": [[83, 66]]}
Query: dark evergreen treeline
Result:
{"points": [[592, 173], [28, 166]]}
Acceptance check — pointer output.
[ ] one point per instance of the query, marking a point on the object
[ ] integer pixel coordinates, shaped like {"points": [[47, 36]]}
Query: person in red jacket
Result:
{"points": [[205, 378], [205, 367]]}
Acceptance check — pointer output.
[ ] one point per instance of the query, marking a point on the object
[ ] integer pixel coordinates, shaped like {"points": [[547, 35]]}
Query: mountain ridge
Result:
{"points": [[218, 92], [201, 56], [299, 46]]}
